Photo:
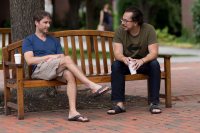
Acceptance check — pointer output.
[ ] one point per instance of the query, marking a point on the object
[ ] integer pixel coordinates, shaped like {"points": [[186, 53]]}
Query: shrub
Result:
{"points": [[196, 19], [164, 36]]}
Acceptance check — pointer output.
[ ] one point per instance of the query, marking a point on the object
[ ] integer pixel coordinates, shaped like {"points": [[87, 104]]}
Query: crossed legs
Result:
{"points": [[68, 63], [70, 72]]}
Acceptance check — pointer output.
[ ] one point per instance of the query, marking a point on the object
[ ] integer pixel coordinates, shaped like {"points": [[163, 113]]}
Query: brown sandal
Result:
{"points": [[79, 118], [117, 109], [99, 93]]}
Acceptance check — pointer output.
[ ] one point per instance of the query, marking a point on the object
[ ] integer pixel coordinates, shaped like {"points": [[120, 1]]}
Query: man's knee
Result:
{"points": [[68, 59], [154, 64], [116, 65], [68, 75]]}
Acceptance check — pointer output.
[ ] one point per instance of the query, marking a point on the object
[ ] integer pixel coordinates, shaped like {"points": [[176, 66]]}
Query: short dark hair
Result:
{"points": [[137, 14], [39, 15]]}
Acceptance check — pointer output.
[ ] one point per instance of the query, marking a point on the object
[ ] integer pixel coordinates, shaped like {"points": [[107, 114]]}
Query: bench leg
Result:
{"points": [[20, 103], [168, 101], [167, 67], [148, 91], [7, 96]]}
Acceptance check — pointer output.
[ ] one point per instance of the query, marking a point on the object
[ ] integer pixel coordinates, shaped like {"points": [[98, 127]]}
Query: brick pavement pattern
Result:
{"points": [[183, 117]]}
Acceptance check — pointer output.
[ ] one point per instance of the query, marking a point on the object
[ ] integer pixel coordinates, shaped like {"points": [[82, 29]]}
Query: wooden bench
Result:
{"points": [[91, 50], [5, 34]]}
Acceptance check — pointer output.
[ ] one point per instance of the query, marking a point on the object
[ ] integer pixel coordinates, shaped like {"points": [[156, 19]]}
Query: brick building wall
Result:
{"points": [[187, 22]]}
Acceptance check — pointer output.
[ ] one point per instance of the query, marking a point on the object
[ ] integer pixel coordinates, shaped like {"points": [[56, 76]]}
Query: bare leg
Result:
{"points": [[72, 67], [71, 93]]}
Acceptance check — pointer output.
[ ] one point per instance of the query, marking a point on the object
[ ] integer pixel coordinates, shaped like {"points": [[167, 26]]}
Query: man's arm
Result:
{"points": [[118, 53], [153, 53], [30, 59]]}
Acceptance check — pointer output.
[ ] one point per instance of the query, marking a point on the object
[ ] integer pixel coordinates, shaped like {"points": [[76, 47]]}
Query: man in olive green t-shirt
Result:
{"points": [[135, 42]]}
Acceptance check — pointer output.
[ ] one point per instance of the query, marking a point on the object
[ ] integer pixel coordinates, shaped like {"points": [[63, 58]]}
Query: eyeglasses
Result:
{"points": [[125, 21]]}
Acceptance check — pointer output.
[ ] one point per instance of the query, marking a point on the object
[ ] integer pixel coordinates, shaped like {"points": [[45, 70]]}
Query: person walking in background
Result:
{"points": [[135, 42], [44, 53], [105, 19]]}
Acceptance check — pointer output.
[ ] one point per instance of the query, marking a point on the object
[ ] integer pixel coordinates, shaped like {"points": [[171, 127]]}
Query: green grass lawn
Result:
{"points": [[70, 52], [182, 45]]}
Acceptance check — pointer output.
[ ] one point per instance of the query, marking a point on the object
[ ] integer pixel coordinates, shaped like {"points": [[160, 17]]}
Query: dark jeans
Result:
{"points": [[119, 69]]}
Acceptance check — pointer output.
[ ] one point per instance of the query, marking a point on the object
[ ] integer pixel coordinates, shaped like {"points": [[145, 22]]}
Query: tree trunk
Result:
{"points": [[72, 16], [21, 15], [89, 14], [145, 8]]}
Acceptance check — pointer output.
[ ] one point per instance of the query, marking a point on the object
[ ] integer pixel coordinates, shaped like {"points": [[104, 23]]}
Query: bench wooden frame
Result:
{"points": [[4, 32], [96, 66]]}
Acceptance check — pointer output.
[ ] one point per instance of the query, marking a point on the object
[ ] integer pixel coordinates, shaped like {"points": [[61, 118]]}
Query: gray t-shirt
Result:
{"points": [[136, 46]]}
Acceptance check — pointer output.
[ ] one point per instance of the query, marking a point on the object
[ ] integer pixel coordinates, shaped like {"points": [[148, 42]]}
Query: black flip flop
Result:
{"points": [[99, 93], [117, 109], [77, 118]]}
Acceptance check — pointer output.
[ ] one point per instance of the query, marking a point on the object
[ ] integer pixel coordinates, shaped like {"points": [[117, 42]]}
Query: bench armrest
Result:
{"points": [[164, 55], [167, 66], [12, 64]]}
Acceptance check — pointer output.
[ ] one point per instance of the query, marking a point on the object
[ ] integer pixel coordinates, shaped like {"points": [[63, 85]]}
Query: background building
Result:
{"points": [[187, 22]]}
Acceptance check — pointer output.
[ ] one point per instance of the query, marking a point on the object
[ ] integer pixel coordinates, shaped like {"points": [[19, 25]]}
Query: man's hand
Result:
{"points": [[126, 60], [137, 63], [51, 57], [30, 59]]}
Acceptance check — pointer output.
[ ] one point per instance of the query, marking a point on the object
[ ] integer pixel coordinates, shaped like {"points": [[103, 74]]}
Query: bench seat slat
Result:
{"points": [[34, 83], [12, 105], [41, 83]]}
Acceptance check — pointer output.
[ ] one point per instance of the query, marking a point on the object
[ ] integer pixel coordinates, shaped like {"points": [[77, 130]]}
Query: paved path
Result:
{"points": [[183, 117], [181, 54]]}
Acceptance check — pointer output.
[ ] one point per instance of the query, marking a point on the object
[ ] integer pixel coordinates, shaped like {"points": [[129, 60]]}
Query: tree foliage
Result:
{"points": [[196, 19], [90, 17], [161, 14], [81, 14], [70, 18]]}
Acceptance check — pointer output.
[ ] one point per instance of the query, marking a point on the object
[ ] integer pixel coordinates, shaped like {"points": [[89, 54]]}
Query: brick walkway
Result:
{"points": [[183, 117]]}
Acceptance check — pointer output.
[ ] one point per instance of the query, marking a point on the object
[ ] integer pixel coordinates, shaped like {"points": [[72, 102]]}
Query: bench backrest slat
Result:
{"points": [[96, 50], [3, 40], [105, 64], [6, 35], [73, 42], [89, 54], [111, 50], [82, 55], [66, 46]]}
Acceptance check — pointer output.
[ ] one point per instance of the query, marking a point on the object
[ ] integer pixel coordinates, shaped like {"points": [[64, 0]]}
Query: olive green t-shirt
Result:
{"points": [[136, 46]]}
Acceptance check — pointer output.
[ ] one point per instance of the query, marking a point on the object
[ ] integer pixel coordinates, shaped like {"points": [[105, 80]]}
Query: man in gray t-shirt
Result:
{"points": [[135, 42]]}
